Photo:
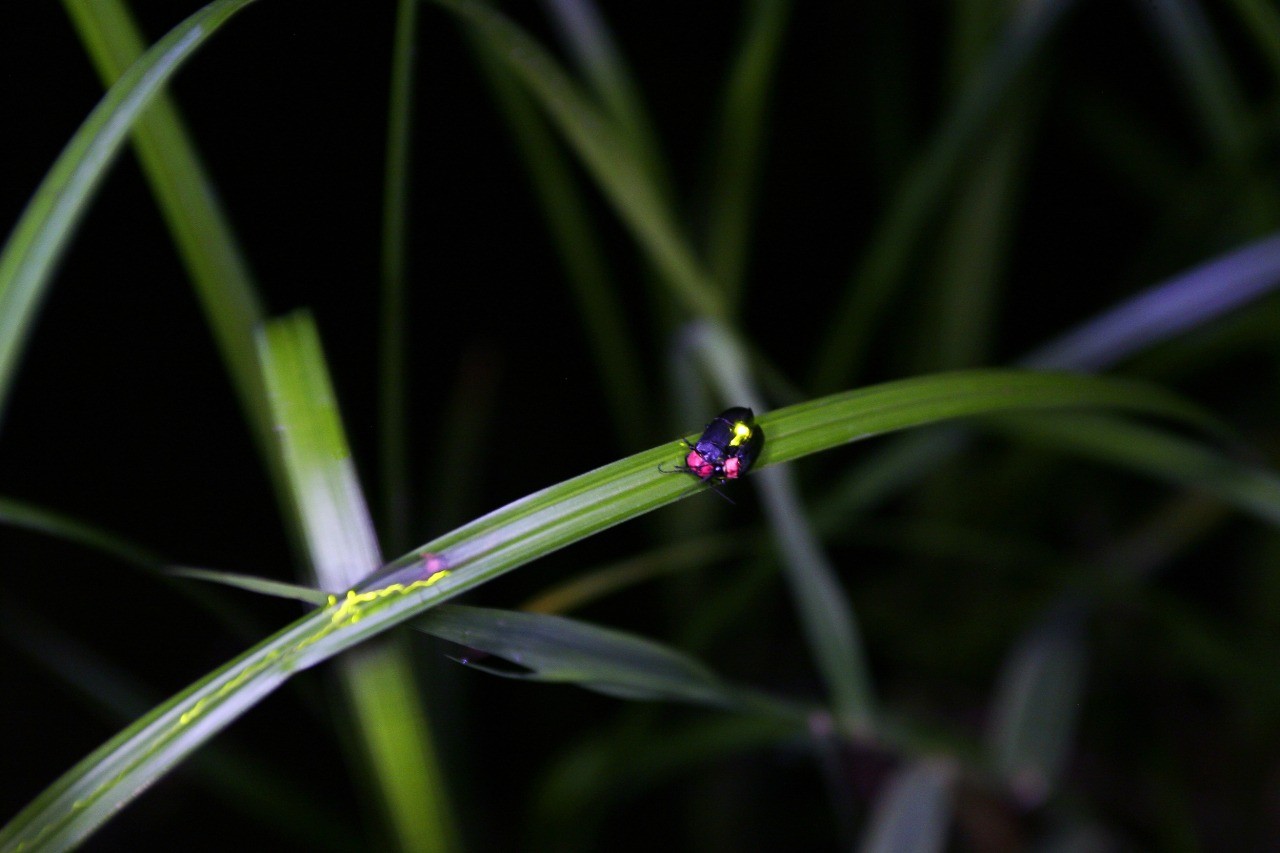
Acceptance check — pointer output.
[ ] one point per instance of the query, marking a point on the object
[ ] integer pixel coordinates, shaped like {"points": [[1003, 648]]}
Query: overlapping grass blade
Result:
{"points": [[583, 30], [1157, 453], [42, 232], [913, 810], [1262, 19], [579, 246], [608, 156], [200, 230], [567, 651], [1036, 704], [335, 525], [1209, 79], [879, 272], [393, 409], [826, 614], [97, 787], [739, 141]]}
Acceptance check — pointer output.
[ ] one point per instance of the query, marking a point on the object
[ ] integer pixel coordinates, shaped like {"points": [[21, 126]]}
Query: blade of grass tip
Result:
{"points": [[579, 247], [251, 583], [740, 138], [339, 534], [45, 226], [35, 518], [582, 29], [913, 812], [606, 154], [96, 788], [186, 198], [1262, 21], [1036, 703], [872, 285], [393, 387], [1174, 306], [608, 661], [826, 615], [26, 515]]}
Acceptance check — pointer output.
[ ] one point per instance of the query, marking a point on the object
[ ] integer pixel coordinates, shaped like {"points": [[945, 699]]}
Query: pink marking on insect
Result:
{"points": [[732, 468], [699, 466], [432, 564]]}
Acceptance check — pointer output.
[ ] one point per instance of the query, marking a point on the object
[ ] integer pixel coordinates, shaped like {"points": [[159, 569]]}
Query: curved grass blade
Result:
{"points": [[1178, 305], [393, 407], [251, 583], [191, 208], [826, 614], [46, 225], [739, 141], [1157, 453], [880, 270], [97, 787], [1173, 307], [593, 585], [22, 514], [578, 244], [583, 31], [913, 812], [567, 651], [1034, 713], [335, 524], [1216, 95], [1262, 20], [598, 141]]}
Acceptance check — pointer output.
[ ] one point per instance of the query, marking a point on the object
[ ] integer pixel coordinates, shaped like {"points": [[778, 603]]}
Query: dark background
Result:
{"points": [[122, 415]]}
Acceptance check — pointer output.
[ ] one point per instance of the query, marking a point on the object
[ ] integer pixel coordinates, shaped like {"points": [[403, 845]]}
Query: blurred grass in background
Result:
{"points": [[538, 240]]}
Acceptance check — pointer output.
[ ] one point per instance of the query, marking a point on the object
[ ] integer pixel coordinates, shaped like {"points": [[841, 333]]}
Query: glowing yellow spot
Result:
{"points": [[741, 432], [347, 611]]}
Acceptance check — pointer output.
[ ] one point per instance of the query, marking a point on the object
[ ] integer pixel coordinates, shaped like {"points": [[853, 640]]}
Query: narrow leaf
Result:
{"points": [[38, 239], [97, 787], [556, 649], [913, 812], [1036, 705]]}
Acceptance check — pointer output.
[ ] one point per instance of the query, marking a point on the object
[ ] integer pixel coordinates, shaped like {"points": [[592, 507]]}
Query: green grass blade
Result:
{"points": [[567, 651], [1204, 68], [739, 140], [958, 312], [23, 514], [325, 492], [335, 524], [913, 812], [241, 781], [1262, 20], [895, 240], [190, 207], [590, 586], [251, 583], [97, 787], [392, 398], [1037, 700], [42, 232], [826, 615], [1157, 453], [579, 246], [583, 30], [605, 152]]}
